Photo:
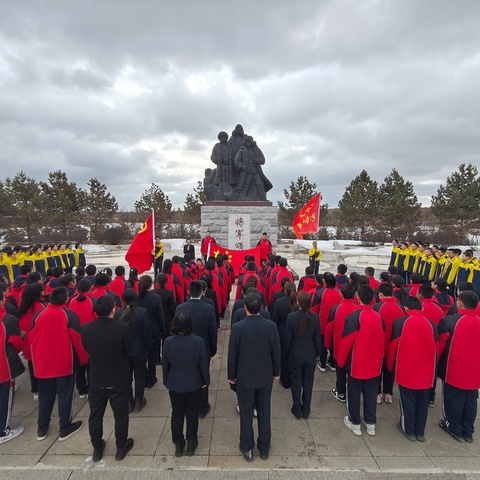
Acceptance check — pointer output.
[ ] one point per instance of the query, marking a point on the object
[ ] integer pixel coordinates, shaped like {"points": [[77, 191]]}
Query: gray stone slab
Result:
{"points": [[404, 462], [34, 474], [332, 438], [349, 462], [457, 463], [172, 462], [22, 460], [389, 442]]}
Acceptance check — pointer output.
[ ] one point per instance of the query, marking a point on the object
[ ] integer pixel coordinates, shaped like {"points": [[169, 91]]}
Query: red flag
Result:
{"points": [[236, 257], [306, 219], [139, 254]]}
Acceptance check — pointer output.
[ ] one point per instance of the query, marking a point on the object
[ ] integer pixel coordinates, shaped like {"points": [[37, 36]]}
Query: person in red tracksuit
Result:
{"points": [[459, 367], [412, 353], [333, 336], [390, 310], [330, 297], [10, 367], [361, 353], [265, 247], [57, 349]]}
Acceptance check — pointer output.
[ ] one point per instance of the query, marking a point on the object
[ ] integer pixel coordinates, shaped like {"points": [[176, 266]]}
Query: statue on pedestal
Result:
{"points": [[239, 175]]}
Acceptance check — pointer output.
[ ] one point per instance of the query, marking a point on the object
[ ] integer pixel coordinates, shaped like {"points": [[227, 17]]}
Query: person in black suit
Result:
{"points": [[240, 313], [185, 374], [188, 250], [205, 326], [108, 344], [302, 346], [253, 363]]}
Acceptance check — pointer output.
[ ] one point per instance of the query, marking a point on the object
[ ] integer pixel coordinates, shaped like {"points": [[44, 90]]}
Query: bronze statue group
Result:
{"points": [[107, 335]]}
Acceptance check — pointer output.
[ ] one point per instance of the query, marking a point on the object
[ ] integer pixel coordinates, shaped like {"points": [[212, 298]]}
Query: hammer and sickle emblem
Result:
{"points": [[143, 227]]}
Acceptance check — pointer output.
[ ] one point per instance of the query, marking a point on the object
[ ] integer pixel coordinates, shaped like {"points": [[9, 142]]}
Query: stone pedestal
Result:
{"points": [[239, 225]]}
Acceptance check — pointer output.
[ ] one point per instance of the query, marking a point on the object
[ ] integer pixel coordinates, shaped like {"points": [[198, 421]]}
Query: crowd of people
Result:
{"points": [[105, 335]]}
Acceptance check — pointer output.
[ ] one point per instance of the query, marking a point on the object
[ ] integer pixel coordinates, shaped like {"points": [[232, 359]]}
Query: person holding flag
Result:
{"points": [[139, 254], [207, 245]]}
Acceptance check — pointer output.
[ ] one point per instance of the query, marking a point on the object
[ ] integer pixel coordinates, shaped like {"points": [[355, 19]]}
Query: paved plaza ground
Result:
{"points": [[320, 447]]}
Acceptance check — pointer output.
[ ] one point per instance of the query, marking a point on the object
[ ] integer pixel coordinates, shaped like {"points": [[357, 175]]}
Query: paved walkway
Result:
{"points": [[320, 444]]}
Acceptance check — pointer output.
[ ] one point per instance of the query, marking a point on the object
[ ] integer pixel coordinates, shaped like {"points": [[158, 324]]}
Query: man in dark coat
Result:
{"points": [[108, 344], [204, 326], [253, 363]]}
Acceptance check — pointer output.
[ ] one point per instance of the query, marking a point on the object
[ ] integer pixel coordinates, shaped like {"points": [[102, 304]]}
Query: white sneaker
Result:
{"points": [[370, 429], [380, 398], [322, 369], [254, 411], [83, 395], [387, 398], [356, 429], [13, 433], [35, 397], [331, 367]]}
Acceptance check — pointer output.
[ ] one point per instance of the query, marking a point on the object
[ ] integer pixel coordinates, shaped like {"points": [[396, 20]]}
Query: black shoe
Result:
{"points": [[341, 397], [98, 452], [431, 403], [139, 404], [122, 452], [264, 455], [205, 413], [411, 438], [72, 429], [468, 439], [131, 405], [420, 438], [444, 427], [179, 448], [297, 415], [151, 384], [284, 385], [191, 447], [247, 454], [42, 433]]}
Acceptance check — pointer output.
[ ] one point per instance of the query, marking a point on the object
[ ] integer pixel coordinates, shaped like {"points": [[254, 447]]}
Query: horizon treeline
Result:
{"points": [[33, 211]]}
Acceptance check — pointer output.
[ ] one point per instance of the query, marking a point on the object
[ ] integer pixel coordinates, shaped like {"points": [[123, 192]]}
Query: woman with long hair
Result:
{"points": [[133, 278], [33, 298], [185, 373], [283, 307], [152, 303], [303, 345], [139, 325], [82, 305]]}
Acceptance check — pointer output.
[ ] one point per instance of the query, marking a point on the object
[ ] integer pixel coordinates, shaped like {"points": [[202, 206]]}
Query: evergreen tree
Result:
{"points": [[155, 199], [100, 206], [194, 202], [457, 203], [358, 208], [25, 204], [64, 202], [398, 205]]}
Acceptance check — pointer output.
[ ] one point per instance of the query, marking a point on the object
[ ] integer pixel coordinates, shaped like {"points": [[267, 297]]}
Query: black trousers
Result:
{"points": [[284, 371], [138, 374], [81, 378], [158, 266], [459, 409], [185, 406], [355, 389], [386, 380], [152, 358], [33, 378], [247, 399], [204, 400], [324, 354], [118, 397], [301, 382], [413, 410], [341, 383], [49, 389], [6, 402]]}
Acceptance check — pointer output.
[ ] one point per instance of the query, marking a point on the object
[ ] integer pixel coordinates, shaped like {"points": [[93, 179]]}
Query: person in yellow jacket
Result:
{"points": [[466, 267], [429, 266], [158, 256], [450, 269], [314, 257], [395, 252], [80, 260]]}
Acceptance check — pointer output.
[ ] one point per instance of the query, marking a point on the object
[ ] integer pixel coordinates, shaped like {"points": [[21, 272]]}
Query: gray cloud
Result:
{"points": [[136, 93]]}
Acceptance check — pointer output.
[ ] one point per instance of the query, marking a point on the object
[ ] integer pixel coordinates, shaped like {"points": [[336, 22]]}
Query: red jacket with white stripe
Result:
{"points": [[362, 345], [459, 337], [336, 324], [10, 344], [56, 342], [412, 351], [390, 310]]}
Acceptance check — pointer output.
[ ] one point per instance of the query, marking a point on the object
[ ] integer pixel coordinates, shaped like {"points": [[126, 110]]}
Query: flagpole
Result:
{"points": [[153, 227], [318, 214]]}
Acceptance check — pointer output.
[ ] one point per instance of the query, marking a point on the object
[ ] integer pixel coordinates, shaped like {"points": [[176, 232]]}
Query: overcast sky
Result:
{"points": [[135, 92]]}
